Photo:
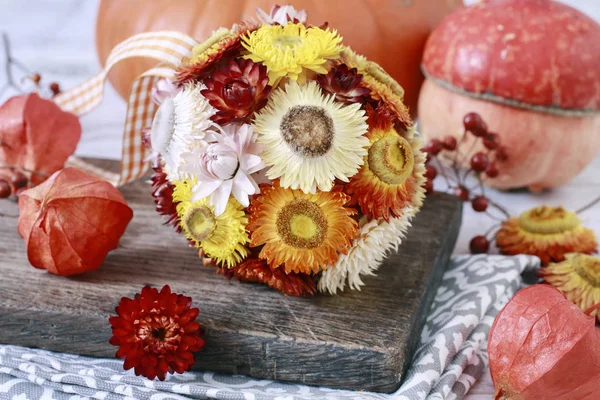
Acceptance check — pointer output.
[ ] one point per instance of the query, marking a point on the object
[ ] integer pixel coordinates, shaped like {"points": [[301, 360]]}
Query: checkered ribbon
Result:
{"points": [[168, 48]]}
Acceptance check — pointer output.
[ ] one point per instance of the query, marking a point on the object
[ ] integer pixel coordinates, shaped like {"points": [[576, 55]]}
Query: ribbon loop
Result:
{"points": [[169, 49]]}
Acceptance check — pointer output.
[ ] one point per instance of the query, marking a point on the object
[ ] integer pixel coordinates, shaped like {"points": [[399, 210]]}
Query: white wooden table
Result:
{"points": [[56, 38]]}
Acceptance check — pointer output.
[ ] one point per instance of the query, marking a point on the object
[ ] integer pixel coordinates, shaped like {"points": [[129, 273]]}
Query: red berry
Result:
{"points": [[501, 154], [475, 124], [55, 88], [479, 161], [5, 189], [18, 180], [492, 170], [491, 141], [433, 147], [480, 203], [479, 245], [430, 172], [36, 78], [462, 193], [428, 185], [449, 143]]}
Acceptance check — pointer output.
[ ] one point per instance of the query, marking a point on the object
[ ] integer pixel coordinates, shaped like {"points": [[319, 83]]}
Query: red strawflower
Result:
{"points": [[156, 332], [379, 115], [163, 196], [258, 270], [344, 83], [237, 89]]}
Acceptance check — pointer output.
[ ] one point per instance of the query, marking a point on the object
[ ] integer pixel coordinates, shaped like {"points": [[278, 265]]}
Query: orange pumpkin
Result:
{"points": [[390, 32]]}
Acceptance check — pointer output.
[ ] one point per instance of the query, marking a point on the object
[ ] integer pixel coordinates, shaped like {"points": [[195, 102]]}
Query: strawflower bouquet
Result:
{"points": [[284, 157]]}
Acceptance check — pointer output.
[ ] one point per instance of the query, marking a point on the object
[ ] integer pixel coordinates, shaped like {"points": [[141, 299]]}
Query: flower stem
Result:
{"points": [[589, 205], [592, 309]]}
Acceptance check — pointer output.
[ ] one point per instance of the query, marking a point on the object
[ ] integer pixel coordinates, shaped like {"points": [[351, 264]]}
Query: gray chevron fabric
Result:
{"points": [[451, 357]]}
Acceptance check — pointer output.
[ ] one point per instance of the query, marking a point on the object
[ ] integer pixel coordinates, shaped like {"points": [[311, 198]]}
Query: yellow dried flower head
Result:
{"points": [[222, 237], [290, 50]]}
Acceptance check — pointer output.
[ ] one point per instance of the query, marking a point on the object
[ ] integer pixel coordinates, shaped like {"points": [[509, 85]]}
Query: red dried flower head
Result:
{"points": [[344, 83], [163, 196], [380, 115], [237, 89], [156, 332], [258, 270]]}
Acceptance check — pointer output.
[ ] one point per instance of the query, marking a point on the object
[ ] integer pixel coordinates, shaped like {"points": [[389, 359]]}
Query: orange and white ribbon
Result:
{"points": [[169, 49]]}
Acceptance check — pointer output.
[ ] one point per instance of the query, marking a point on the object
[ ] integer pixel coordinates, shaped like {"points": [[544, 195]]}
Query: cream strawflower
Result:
{"points": [[309, 138], [225, 167], [181, 124], [376, 239]]}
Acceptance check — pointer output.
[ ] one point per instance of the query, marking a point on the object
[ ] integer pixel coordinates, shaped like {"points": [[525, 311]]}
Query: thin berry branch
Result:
{"points": [[21, 169], [491, 229], [442, 172], [2, 215], [500, 208], [9, 62], [588, 206]]}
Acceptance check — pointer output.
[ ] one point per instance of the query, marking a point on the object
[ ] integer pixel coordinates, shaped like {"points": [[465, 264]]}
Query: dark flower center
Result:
{"points": [[159, 333], [308, 130], [346, 82], [238, 93]]}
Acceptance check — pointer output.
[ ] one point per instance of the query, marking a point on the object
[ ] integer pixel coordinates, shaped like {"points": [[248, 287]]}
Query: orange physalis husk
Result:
{"points": [[71, 221], [542, 346], [578, 277], [36, 135], [392, 175], [546, 232], [302, 232], [258, 270]]}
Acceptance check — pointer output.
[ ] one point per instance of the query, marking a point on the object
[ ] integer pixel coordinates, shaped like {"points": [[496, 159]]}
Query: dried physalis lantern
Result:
{"points": [[71, 221], [546, 232]]}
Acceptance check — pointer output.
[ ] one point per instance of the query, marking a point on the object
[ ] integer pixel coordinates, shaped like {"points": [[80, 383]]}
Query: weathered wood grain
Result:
{"points": [[359, 340]]}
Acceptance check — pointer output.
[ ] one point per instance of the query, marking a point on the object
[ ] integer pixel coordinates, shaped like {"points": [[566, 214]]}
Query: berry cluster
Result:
{"points": [[482, 164], [19, 86]]}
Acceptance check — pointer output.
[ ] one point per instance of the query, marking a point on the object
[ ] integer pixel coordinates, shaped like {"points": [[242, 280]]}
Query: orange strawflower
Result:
{"points": [[546, 232], [392, 175], [303, 232]]}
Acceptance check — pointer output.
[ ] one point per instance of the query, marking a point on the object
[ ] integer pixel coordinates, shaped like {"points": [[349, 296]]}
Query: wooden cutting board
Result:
{"points": [[361, 340]]}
